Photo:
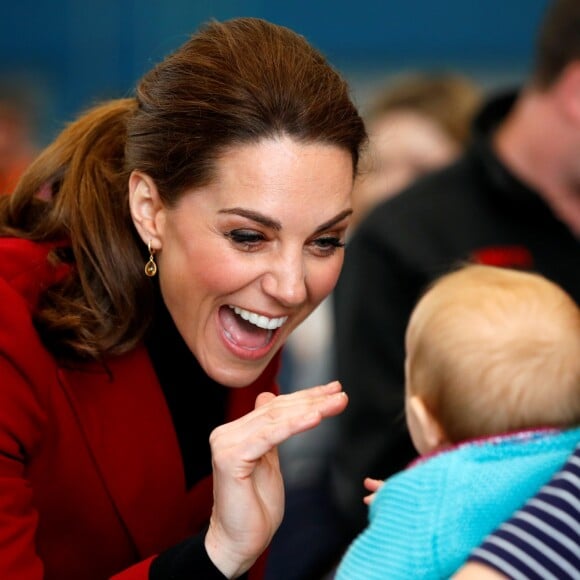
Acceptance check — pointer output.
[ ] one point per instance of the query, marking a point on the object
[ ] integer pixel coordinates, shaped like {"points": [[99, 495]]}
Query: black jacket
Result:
{"points": [[473, 210]]}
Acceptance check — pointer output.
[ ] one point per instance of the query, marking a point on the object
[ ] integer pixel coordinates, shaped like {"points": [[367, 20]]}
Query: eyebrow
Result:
{"points": [[275, 224], [254, 216], [331, 222]]}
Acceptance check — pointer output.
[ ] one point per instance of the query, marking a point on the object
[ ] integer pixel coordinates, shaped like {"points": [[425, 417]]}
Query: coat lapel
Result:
{"points": [[128, 429]]}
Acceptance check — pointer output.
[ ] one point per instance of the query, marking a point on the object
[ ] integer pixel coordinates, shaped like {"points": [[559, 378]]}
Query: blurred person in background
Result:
{"points": [[17, 133], [512, 199], [417, 123]]}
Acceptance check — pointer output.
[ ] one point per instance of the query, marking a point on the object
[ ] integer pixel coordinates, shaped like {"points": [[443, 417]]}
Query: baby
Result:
{"points": [[493, 407]]}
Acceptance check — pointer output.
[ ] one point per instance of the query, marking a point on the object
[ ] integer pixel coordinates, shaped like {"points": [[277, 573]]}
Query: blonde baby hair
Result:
{"points": [[493, 350]]}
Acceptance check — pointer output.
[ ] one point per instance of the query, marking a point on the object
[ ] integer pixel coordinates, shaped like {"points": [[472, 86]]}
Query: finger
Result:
{"points": [[280, 418], [298, 402], [371, 484], [263, 398], [368, 499], [274, 420]]}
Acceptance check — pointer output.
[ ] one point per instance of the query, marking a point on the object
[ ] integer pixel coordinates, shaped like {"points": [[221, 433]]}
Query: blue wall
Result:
{"points": [[73, 52]]}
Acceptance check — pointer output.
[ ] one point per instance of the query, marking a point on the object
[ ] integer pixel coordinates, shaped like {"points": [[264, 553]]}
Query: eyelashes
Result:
{"points": [[245, 236], [329, 242], [246, 240], [251, 240]]}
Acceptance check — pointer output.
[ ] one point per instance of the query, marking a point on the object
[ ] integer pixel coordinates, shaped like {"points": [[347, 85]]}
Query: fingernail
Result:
{"points": [[333, 385]]}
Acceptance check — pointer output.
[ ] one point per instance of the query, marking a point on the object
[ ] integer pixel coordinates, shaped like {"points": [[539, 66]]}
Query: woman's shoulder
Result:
{"points": [[28, 370], [26, 268]]}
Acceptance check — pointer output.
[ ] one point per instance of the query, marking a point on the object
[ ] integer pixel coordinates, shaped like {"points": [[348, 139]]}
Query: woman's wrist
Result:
{"points": [[232, 566]]}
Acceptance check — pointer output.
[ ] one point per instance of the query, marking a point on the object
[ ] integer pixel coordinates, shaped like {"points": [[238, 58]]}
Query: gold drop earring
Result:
{"points": [[151, 266]]}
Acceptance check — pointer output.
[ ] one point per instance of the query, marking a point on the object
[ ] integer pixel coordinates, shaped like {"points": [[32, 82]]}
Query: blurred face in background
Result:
{"points": [[403, 146]]}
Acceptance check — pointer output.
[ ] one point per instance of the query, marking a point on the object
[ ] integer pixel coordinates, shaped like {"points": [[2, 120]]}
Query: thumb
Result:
{"points": [[263, 398]]}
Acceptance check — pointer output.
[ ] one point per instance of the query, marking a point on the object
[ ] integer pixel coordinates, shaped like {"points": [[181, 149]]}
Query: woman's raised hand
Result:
{"points": [[248, 486]]}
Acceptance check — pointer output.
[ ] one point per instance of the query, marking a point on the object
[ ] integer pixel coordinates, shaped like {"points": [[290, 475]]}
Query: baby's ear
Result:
{"points": [[426, 431]]}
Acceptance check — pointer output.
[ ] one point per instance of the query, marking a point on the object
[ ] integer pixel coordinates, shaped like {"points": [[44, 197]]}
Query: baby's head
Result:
{"points": [[489, 351]]}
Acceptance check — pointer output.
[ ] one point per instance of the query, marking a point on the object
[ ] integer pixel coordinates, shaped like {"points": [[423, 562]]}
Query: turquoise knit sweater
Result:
{"points": [[425, 520]]}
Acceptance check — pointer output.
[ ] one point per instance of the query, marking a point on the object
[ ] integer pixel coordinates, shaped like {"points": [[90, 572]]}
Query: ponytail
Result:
{"points": [[76, 191]]}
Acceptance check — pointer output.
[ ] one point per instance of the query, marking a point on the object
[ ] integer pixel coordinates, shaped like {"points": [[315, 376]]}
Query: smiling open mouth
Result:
{"points": [[247, 329]]}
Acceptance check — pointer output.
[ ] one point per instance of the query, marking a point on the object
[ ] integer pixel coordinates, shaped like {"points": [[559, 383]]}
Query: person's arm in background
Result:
{"points": [[542, 540], [372, 302], [478, 571]]}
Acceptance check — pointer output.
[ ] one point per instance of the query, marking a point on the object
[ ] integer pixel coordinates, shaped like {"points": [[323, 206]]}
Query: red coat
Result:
{"points": [[91, 476]]}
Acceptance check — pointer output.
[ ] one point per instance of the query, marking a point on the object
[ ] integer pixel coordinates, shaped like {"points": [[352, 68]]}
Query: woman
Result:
{"points": [[153, 260]]}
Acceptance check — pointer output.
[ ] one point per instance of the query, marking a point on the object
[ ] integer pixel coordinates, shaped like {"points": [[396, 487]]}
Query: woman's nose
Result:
{"points": [[285, 281]]}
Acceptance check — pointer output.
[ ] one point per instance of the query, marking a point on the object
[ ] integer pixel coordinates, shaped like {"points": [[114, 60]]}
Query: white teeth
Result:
{"points": [[259, 320]]}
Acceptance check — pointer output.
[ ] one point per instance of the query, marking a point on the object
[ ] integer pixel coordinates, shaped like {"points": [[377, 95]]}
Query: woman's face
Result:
{"points": [[245, 259]]}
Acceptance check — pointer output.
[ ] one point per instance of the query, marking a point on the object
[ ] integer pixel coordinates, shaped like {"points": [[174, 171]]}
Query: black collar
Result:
{"points": [[197, 403]]}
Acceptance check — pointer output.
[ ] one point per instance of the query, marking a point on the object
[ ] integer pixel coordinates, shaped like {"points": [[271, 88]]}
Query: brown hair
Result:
{"points": [[558, 41], [233, 82], [492, 350]]}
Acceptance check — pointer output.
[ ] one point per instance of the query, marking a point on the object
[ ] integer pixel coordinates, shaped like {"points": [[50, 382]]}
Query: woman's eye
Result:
{"points": [[248, 239], [328, 244]]}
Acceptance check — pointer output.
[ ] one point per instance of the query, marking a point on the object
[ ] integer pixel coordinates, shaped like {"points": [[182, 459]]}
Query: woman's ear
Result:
{"points": [[147, 210], [426, 431]]}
